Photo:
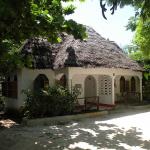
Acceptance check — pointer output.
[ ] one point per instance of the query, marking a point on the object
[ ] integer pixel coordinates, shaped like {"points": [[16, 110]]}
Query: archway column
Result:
{"points": [[113, 90], [69, 83], [141, 95]]}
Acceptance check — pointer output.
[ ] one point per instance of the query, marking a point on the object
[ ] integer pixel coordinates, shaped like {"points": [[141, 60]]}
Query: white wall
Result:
{"points": [[60, 72], [103, 71], [77, 75], [80, 79], [27, 77]]}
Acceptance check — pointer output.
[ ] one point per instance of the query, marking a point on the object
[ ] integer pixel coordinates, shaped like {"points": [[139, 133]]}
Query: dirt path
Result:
{"points": [[121, 131]]}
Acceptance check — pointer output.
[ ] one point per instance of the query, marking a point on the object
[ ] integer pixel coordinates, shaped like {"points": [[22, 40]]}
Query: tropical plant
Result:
{"points": [[24, 19], [142, 7], [52, 101]]}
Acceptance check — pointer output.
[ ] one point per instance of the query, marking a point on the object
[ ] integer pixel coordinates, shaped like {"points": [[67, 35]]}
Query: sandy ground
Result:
{"points": [[121, 131]]}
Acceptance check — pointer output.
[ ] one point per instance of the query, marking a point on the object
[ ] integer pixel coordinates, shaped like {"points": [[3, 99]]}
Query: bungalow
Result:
{"points": [[96, 67]]}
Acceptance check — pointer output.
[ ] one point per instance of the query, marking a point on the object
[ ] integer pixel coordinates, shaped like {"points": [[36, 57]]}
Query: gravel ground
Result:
{"points": [[129, 130]]}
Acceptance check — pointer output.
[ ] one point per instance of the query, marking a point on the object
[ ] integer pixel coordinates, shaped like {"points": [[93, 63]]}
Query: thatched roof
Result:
{"points": [[95, 51]]}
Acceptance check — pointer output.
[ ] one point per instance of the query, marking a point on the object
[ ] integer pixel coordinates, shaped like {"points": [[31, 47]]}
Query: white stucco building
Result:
{"points": [[96, 67]]}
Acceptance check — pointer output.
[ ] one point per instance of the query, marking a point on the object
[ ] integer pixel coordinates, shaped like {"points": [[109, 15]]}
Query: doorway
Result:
{"points": [[90, 87]]}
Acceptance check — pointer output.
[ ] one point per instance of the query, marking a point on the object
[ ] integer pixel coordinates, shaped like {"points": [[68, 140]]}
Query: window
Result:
{"points": [[63, 81], [105, 85], [10, 89], [133, 85], [40, 82]]}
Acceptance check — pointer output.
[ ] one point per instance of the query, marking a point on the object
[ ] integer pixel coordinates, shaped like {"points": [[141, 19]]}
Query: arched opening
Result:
{"points": [[40, 82], [133, 84], [122, 84], [15, 78], [63, 81], [90, 86]]}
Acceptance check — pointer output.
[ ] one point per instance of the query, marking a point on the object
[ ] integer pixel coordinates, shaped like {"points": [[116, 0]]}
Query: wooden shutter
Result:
{"points": [[10, 89]]}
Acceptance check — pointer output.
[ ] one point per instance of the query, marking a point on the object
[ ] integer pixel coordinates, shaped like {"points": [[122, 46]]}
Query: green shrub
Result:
{"points": [[52, 101], [15, 114]]}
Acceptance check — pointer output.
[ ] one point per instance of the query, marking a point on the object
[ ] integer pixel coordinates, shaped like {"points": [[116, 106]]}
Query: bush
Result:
{"points": [[52, 101], [15, 114]]}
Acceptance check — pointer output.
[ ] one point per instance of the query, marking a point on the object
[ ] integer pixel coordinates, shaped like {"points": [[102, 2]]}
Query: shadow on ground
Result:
{"points": [[89, 134], [93, 136]]}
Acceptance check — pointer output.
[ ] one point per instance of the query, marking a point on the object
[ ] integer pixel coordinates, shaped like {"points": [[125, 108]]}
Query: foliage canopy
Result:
{"points": [[142, 7], [24, 19]]}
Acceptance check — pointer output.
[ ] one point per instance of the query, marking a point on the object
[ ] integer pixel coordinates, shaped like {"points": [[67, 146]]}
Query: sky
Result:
{"points": [[89, 13]]}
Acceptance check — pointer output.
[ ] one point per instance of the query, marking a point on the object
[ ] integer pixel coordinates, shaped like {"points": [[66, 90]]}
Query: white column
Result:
{"points": [[70, 84], [69, 77], [97, 85], [141, 95], [113, 90]]}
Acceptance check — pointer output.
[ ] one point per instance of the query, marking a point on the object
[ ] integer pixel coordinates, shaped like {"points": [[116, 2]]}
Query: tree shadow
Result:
{"points": [[90, 134], [94, 136]]}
